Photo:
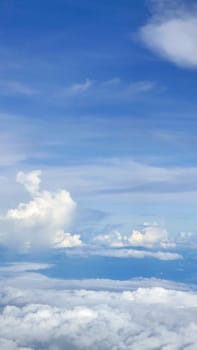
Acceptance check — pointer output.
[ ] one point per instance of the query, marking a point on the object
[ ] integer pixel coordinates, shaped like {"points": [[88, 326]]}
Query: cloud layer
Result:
{"points": [[43, 222], [125, 253], [151, 236], [172, 33], [139, 317]]}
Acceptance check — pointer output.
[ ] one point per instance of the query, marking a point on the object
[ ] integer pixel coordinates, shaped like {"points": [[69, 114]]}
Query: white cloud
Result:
{"points": [[114, 239], [31, 181], [108, 89], [141, 86], [143, 317], [125, 253], [66, 240], [150, 236], [11, 151], [41, 221], [21, 275], [139, 254], [78, 88], [11, 87], [11, 345], [172, 33], [23, 267], [117, 176], [187, 239]]}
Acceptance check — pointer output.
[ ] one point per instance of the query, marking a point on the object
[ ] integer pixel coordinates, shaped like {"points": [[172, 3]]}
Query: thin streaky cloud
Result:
{"points": [[15, 88], [78, 88], [123, 253], [114, 87]]}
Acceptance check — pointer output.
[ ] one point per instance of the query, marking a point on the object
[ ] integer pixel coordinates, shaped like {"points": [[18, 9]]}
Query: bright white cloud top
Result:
{"points": [[104, 315], [173, 35], [112, 124], [42, 221], [31, 181], [151, 235]]}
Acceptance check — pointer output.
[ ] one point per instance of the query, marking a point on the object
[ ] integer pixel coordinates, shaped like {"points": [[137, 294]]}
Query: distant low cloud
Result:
{"points": [[151, 235], [172, 33], [125, 253], [122, 315], [42, 221]]}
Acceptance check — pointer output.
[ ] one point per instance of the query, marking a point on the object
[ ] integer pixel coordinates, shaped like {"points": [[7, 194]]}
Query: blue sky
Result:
{"points": [[98, 227], [98, 115]]}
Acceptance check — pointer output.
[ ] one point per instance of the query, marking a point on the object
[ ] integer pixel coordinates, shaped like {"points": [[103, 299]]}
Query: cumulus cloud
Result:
{"points": [[144, 317], [40, 222], [172, 33], [66, 240], [151, 235], [31, 181]]}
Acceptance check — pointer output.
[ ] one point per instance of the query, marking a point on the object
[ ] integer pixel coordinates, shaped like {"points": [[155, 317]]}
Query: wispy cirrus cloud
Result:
{"points": [[172, 32], [78, 88], [16, 88], [107, 89], [126, 175]]}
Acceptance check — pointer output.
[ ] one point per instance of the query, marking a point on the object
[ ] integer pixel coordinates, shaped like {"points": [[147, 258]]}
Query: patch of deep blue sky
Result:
{"points": [[77, 267], [139, 106], [50, 46]]}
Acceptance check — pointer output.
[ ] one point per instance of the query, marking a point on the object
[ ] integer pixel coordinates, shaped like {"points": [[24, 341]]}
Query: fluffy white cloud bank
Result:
{"points": [[140, 317], [151, 235], [172, 33], [42, 221]]}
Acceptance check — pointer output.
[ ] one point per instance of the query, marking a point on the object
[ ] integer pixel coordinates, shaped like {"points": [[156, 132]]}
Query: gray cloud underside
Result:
{"points": [[141, 315]]}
